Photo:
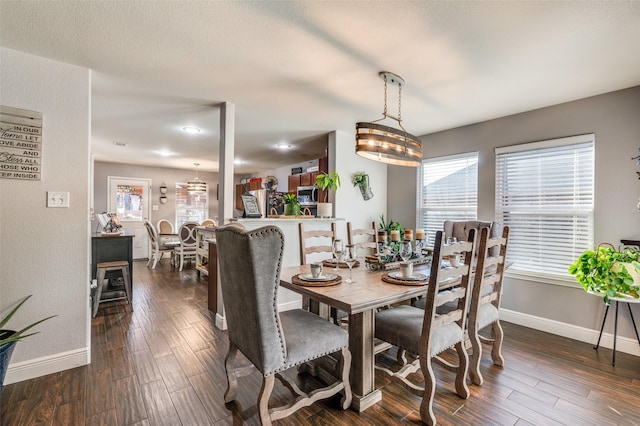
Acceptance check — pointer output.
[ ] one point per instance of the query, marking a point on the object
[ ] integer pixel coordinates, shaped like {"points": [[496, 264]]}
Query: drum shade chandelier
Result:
{"points": [[196, 186], [388, 144]]}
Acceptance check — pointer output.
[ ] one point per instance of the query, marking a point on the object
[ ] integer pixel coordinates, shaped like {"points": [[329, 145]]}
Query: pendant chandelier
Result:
{"points": [[196, 186], [388, 144]]}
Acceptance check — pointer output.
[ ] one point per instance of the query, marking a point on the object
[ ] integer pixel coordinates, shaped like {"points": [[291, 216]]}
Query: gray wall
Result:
{"points": [[614, 118], [158, 175], [45, 251]]}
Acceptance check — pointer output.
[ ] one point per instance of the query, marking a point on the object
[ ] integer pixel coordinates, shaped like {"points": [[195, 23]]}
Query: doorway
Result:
{"points": [[129, 198]]}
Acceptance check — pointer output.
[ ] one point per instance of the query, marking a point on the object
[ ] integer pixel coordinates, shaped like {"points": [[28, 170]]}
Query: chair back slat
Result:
{"points": [[314, 241]]}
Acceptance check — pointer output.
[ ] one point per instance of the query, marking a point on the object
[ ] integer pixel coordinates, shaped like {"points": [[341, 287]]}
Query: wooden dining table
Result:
{"points": [[360, 299]]}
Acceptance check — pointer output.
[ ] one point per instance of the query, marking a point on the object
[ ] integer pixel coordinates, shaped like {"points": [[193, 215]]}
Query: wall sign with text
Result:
{"points": [[20, 144]]}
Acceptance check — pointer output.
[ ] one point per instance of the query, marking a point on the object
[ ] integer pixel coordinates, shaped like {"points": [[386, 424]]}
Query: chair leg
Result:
{"points": [[181, 261], [127, 284], [155, 260], [476, 357], [346, 368], [149, 261], [263, 399], [232, 381], [426, 407], [496, 350], [461, 372]]}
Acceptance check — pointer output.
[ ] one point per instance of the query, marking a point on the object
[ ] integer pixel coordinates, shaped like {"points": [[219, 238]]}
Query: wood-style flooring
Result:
{"points": [[162, 364]]}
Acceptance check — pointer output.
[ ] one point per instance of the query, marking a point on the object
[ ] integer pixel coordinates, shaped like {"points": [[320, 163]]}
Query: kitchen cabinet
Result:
{"points": [[294, 183]]}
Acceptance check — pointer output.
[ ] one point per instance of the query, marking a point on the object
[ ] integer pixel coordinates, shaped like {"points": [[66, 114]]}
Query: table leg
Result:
{"points": [[361, 339], [606, 311], [615, 336]]}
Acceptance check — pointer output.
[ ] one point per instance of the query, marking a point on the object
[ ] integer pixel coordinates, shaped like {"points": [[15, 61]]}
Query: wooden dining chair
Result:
{"points": [[210, 223], [157, 250], [187, 248], [485, 300], [423, 332], [250, 263], [370, 233], [316, 241]]}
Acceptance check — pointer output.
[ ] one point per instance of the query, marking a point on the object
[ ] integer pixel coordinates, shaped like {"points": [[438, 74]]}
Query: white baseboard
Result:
{"points": [[25, 370], [221, 322], [623, 344]]}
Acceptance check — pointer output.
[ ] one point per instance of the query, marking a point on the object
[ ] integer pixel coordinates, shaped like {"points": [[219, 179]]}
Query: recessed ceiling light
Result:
{"points": [[283, 146], [116, 143], [190, 129], [238, 161], [164, 153]]}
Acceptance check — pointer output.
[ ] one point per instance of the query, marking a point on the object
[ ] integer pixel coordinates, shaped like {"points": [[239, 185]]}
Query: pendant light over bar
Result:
{"points": [[196, 186], [388, 144]]}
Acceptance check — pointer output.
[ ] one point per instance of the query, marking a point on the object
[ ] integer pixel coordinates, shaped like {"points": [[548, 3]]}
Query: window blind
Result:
{"points": [[545, 194], [447, 190], [190, 207]]}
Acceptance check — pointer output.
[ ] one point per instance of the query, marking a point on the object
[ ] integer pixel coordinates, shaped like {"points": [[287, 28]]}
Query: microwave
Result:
{"points": [[308, 195]]}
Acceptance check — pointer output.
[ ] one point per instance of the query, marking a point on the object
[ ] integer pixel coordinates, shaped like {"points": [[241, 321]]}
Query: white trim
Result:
{"points": [[548, 143], [32, 368], [582, 334], [221, 322], [540, 277]]}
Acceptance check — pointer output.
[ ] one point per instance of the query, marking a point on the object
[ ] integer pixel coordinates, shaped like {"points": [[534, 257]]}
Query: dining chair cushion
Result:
{"points": [[487, 314], [302, 346], [402, 326]]}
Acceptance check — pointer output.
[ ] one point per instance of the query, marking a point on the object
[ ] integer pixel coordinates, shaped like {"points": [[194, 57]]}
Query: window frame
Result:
{"points": [[581, 210], [182, 187], [448, 213]]}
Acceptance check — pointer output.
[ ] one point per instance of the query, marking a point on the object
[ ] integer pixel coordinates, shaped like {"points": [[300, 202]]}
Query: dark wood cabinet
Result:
{"points": [[294, 183]]}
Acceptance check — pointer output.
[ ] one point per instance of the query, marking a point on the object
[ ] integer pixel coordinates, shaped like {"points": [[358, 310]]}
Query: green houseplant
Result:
{"points": [[361, 180], [608, 272], [9, 338], [291, 205], [326, 182]]}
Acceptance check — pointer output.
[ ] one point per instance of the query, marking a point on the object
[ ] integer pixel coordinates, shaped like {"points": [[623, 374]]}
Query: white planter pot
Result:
{"points": [[325, 210], [630, 269]]}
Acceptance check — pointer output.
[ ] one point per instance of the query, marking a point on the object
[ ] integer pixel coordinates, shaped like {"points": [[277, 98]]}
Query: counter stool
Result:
{"points": [[102, 269]]}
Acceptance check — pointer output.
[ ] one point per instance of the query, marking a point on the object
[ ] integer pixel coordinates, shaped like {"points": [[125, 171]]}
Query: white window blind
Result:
{"points": [[189, 207], [544, 193], [447, 190]]}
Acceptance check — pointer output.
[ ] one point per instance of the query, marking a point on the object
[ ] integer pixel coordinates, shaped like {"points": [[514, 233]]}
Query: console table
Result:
{"points": [[108, 248]]}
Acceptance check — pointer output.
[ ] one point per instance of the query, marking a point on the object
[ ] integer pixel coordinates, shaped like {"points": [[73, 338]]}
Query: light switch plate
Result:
{"points": [[56, 199]]}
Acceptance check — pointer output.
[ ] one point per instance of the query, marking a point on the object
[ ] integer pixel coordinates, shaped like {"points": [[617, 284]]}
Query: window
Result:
{"points": [[447, 190], [189, 207], [544, 192]]}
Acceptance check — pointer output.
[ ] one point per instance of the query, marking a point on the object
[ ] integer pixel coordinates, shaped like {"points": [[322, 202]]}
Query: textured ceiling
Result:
{"points": [[298, 70]]}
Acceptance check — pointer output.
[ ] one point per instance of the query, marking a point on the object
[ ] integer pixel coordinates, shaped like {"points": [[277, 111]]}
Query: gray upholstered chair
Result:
{"points": [[427, 334], [273, 341], [485, 300], [460, 229]]}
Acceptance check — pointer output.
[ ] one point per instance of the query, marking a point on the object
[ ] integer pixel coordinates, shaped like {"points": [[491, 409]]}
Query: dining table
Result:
{"points": [[360, 299]]}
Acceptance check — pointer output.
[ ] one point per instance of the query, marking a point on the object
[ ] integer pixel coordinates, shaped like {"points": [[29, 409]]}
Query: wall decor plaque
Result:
{"points": [[20, 144]]}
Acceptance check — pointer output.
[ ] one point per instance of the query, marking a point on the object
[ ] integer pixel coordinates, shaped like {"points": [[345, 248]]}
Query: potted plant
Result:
{"points": [[291, 205], [9, 338], [361, 180], [608, 272], [326, 182]]}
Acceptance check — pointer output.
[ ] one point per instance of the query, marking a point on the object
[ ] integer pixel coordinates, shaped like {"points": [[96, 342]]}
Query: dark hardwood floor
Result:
{"points": [[162, 364]]}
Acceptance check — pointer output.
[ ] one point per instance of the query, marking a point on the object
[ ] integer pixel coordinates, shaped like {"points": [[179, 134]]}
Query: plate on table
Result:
{"points": [[417, 276], [320, 278]]}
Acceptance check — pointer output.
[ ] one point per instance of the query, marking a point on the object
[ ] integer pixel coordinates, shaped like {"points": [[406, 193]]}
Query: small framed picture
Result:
{"points": [[251, 208]]}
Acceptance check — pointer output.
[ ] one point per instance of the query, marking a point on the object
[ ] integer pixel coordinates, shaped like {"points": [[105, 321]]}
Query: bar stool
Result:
{"points": [[102, 269]]}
